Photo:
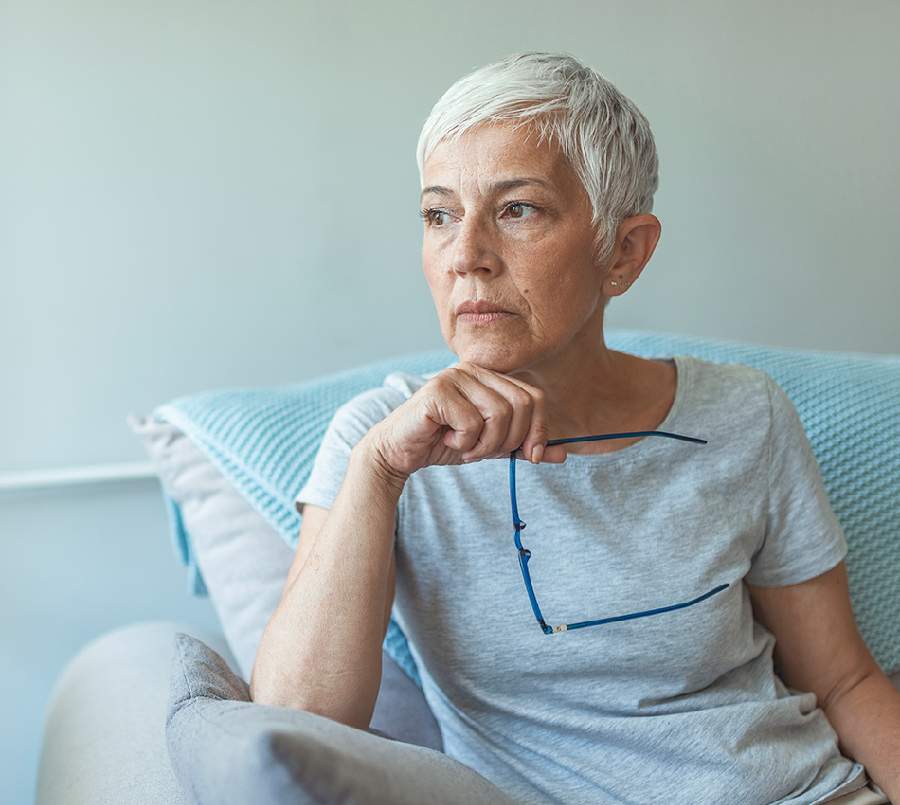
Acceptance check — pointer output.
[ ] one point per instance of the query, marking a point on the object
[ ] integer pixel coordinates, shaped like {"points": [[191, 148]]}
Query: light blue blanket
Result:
{"points": [[264, 441]]}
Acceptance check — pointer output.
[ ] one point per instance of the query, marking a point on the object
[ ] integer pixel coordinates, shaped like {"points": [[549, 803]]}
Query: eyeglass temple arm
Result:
{"points": [[604, 436], [525, 554]]}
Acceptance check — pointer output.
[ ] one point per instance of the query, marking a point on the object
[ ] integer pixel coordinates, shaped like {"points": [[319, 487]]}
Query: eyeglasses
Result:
{"points": [[525, 554]]}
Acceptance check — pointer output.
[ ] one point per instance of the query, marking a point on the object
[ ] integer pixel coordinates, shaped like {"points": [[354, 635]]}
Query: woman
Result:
{"points": [[538, 179]]}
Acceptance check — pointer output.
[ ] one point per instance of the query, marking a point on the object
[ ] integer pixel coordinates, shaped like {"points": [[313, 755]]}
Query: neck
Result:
{"points": [[589, 388]]}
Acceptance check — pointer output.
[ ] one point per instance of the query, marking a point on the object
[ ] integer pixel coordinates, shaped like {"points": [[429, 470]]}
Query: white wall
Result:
{"points": [[206, 194], [218, 193]]}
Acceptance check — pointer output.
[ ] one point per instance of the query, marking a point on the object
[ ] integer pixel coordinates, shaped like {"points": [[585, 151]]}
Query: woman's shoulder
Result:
{"points": [[408, 383], [728, 391], [367, 407]]}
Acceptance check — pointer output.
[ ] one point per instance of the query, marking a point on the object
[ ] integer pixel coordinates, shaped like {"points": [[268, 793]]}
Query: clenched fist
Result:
{"points": [[465, 413]]}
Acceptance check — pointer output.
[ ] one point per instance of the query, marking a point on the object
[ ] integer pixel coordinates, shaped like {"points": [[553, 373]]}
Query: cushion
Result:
{"points": [[243, 560], [264, 440], [224, 748], [245, 563]]}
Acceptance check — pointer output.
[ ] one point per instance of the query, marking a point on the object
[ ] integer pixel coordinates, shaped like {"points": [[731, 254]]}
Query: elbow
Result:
{"points": [[261, 693], [273, 695], [268, 690], [258, 693], [269, 685]]}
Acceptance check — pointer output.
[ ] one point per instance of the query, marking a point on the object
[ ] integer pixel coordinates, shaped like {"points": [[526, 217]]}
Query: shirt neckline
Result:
{"points": [[684, 366]]}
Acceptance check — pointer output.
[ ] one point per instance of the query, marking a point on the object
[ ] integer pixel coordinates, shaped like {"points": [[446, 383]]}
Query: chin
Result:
{"points": [[496, 357]]}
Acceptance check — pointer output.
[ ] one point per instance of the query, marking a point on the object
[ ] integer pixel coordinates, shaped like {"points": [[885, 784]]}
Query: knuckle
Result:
{"points": [[444, 380], [524, 399], [505, 406], [541, 430], [473, 421]]}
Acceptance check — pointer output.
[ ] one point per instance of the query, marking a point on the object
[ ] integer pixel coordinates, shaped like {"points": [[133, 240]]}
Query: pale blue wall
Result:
{"points": [[205, 194]]}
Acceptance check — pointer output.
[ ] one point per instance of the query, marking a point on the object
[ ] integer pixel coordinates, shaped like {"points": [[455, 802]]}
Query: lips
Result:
{"points": [[481, 306]]}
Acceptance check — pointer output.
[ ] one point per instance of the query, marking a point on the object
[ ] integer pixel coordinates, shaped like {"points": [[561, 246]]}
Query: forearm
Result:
{"points": [[867, 720], [321, 650]]}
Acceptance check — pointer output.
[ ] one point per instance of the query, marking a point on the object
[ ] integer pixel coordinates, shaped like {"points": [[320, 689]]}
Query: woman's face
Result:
{"points": [[508, 222]]}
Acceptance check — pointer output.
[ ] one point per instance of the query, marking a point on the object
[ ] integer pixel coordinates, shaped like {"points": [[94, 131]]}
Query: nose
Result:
{"points": [[472, 247]]}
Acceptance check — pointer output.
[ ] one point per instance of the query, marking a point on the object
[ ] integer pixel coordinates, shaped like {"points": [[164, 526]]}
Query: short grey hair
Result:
{"points": [[604, 136]]}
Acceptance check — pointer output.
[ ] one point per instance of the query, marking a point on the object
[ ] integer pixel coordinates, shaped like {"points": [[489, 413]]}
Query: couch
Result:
{"points": [[230, 495]]}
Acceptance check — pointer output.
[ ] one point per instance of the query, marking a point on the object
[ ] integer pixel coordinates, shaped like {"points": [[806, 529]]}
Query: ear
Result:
{"points": [[636, 241]]}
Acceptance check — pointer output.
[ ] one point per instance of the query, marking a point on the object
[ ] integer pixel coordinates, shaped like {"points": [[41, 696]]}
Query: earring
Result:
{"points": [[616, 284]]}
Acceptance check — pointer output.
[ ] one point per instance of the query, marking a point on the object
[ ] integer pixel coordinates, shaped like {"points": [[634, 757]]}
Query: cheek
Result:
{"points": [[440, 285], [549, 287], [557, 297], [433, 276]]}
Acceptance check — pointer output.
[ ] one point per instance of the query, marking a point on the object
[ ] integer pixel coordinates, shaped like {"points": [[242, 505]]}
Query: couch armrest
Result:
{"points": [[104, 729]]}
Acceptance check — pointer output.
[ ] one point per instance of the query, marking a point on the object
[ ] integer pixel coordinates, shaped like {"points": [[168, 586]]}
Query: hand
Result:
{"points": [[465, 413]]}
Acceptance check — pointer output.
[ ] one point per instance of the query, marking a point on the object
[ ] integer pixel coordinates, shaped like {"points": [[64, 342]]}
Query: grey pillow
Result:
{"points": [[224, 748]]}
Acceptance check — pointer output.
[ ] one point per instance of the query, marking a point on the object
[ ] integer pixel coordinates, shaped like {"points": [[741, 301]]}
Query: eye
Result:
{"points": [[518, 207], [432, 215], [429, 215]]}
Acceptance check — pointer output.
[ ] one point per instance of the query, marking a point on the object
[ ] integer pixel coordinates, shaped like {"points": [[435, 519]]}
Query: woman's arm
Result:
{"points": [[321, 649], [818, 648]]}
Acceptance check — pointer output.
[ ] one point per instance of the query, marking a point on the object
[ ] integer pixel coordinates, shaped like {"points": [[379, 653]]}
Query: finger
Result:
{"points": [[555, 454], [483, 419], [497, 413], [538, 430], [448, 407], [521, 409]]}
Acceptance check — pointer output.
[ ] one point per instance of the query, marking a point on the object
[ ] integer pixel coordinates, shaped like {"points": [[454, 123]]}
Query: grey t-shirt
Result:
{"points": [[679, 707]]}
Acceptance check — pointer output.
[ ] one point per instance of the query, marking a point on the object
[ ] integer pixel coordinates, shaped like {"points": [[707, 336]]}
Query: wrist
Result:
{"points": [[367, 452]]}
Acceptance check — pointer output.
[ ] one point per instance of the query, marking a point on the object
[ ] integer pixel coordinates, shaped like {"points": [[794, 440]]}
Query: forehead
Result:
{"points": [[491, 151]]}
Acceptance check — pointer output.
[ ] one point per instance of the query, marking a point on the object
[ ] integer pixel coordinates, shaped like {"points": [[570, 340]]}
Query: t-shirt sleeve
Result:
{"points": [[803, 536], [350, 422]]}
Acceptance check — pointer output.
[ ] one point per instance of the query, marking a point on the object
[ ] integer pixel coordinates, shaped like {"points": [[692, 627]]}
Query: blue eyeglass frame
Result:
{"points": [[525, 554]]}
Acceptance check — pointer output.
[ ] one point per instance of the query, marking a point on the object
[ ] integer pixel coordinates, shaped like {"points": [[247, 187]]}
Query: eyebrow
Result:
{"points": [[497, 187]]}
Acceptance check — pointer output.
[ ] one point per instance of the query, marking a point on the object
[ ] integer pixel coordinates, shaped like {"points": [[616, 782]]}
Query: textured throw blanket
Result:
{"points": [[264, 441]]}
